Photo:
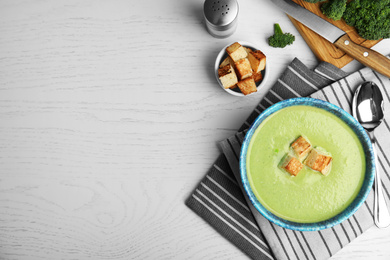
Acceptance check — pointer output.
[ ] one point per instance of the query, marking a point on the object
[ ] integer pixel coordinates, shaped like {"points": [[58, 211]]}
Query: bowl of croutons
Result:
{"points": [[241, 69]]}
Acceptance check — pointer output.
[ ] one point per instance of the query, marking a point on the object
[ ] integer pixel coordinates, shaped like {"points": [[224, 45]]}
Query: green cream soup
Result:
{"points": [[310, 196]]}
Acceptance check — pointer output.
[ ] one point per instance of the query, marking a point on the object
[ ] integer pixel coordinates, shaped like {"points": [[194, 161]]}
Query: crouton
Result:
{"points": [[227, 76], [301, 147], [243, 68], [236, 51], [257, 76], [247, 86], [257, 60], [291, 165], [319, 160], [227, 61]]}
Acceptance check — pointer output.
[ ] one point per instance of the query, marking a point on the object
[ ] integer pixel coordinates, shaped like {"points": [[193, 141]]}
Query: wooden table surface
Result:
{"points": [[110, 115]]}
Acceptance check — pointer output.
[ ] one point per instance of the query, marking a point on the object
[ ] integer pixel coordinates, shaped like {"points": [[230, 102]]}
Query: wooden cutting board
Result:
{"points": [[324, 50]]}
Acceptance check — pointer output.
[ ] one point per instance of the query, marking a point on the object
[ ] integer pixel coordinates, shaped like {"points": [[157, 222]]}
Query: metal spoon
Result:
{"points": [[367, 108]]}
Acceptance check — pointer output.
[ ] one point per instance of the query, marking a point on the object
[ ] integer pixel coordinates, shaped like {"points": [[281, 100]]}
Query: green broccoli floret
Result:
{"points": [[371, 18], [280, 39], [334, 9]]}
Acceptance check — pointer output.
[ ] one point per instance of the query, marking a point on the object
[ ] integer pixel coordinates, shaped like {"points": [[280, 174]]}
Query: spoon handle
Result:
{"points": [[381, 212]]}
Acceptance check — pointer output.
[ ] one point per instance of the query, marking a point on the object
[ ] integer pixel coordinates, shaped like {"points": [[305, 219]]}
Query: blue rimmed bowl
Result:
{"points": [[352, 123]]}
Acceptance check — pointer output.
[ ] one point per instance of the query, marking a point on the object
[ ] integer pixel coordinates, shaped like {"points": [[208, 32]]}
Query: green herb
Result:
{"points": [[280, 39], [334, 9], [371, 18]]}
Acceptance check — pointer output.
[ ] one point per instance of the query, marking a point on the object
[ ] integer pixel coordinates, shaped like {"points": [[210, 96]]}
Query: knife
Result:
{"points": [[338, 37]]}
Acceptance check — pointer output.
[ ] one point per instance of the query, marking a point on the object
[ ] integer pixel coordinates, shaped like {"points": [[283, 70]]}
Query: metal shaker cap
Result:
{"points": [[221, 17]]}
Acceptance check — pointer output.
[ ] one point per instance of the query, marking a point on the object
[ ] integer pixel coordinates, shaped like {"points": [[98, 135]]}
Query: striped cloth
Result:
{"points": [[220, 198]]}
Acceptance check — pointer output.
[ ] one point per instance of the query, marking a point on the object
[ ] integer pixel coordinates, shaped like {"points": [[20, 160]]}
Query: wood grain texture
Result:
{"points": [[366, 56], [322, 48], [110, 115]]}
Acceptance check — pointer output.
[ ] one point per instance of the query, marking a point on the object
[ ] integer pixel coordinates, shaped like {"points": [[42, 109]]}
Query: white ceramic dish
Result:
{"points": [[236, 91]]}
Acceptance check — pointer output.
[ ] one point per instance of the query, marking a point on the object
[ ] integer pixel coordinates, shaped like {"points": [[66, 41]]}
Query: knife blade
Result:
{"points": [[338, 37]]}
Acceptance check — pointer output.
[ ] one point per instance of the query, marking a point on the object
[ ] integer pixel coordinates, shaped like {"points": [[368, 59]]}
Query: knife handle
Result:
{"points": [[368, 57]]}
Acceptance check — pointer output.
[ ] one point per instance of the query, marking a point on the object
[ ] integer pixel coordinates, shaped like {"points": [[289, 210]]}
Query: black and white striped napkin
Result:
{"points": [[221, 201]]}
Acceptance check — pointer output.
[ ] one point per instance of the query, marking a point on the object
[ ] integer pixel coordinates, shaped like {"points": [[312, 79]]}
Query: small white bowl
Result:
{"points": [[236, 91]]}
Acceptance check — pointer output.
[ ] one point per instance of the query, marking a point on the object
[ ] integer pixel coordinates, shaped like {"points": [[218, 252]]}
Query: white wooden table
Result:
{"points": [[110, 115]]}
